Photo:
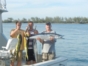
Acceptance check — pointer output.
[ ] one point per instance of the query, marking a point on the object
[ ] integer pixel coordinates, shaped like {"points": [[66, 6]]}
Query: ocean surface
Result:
{"points": [[74, 47]]}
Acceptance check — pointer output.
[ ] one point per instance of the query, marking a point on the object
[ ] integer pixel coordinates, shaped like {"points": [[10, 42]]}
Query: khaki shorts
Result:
{"points": [[19, 58], [48, 56]]}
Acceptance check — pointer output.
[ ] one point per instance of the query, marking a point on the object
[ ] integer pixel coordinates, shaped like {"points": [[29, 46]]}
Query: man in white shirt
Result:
{"points": [[48, 51]]}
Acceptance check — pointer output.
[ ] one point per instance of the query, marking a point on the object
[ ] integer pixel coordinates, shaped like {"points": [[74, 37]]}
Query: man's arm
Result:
{"points": [[35, 31], [13, 32], [42, 41], [52, 39]]}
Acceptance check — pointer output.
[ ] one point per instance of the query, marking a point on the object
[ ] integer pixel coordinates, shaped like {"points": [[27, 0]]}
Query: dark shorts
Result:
{"points": [[31, 55]]}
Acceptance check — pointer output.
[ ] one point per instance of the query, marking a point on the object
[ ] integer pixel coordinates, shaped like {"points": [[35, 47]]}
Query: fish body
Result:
{"points": [[19, 37], [46, 36]]}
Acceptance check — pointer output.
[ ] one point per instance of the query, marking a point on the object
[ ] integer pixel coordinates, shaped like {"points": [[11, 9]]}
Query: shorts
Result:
{"points": [[19, 58], [31, 55], [48, 56]]}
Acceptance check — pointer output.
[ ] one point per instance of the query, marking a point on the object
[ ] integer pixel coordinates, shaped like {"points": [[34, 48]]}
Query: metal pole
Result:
{"points": [[1, 30], [3, 39]]}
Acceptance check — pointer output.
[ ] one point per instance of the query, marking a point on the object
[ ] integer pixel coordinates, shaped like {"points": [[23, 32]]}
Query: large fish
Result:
{"points": [[46, 36], [19, 37]]}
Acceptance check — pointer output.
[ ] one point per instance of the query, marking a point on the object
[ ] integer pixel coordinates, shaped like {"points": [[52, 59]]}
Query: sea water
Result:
{"points": [[74, 46]]}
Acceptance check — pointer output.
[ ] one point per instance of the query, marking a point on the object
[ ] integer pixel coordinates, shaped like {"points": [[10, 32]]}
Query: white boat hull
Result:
{"points": [[60, 61]]}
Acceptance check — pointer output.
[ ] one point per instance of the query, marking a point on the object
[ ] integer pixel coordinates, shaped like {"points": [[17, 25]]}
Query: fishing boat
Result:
{"points": [[11, 43]]}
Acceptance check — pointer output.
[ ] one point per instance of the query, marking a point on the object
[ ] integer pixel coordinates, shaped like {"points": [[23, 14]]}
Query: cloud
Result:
{"points": [[42, 8]]}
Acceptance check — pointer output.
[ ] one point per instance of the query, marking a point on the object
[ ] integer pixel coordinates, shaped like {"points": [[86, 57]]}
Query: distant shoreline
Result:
{"points": [[57, 19], [51, 22]]}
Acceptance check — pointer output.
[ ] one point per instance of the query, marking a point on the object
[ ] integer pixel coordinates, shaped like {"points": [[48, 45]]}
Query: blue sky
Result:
{"points": [[42, 8]]}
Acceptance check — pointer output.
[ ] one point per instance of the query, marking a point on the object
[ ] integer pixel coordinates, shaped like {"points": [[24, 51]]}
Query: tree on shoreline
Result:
{"points": [[49, 19]]}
